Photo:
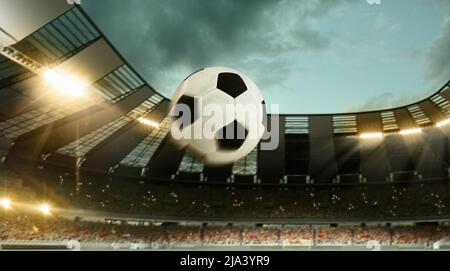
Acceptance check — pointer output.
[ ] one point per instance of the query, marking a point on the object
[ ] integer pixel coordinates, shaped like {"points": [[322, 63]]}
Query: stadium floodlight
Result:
{"points": [[44, 209], [443, 123], [148, 122], [375, 135], [5, 203], [413, 131], [64, 83]]}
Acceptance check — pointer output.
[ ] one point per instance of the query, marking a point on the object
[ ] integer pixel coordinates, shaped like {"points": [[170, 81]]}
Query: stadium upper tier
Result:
{"points": [[68, 99]]}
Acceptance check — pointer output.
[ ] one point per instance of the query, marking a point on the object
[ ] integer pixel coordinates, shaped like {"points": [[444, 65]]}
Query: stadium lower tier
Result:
{"points": [[420, 200], [29, 228]]}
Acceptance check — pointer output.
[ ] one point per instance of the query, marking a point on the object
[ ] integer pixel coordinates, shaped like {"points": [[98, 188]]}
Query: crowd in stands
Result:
{"points": [[260, 236], [184, 236], [407, 235], [227, 236], [390, 200], [297, 236], [366, 234], [130, 196], [334, 236], [28, 227]]}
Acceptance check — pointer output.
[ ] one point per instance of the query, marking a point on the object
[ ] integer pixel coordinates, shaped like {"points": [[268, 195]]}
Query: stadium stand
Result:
{"points": [[31, 228]]}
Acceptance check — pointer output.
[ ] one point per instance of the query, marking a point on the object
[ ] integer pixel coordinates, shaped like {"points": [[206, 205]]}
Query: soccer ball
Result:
{"points": [[219, 115]]}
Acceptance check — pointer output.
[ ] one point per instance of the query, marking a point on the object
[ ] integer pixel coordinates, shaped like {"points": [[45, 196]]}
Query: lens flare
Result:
{"points": [[64, 83]]}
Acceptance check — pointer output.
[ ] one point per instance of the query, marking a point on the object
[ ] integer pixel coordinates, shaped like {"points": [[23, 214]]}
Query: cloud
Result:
{"points": [[438, 66], [389, 100], [166, 40], [383, 100], [442, 4], [385, 23]]}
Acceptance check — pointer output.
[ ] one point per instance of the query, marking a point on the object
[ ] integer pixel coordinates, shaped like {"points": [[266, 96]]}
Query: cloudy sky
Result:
{"points": [[317, 56]]}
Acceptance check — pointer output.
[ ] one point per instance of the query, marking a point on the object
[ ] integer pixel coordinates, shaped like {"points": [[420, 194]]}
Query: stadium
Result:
{"points": [[102, 172]]}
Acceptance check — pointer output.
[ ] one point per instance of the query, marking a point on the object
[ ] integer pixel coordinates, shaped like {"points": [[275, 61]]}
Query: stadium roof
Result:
{"points": [[103, 130]]}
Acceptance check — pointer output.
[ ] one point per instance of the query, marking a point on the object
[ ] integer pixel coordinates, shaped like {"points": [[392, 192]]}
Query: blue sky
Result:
{"points": [[318, 56]]}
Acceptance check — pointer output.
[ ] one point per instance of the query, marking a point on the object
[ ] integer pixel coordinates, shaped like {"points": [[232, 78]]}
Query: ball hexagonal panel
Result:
{"points": [[231, 136], [231, 83]]}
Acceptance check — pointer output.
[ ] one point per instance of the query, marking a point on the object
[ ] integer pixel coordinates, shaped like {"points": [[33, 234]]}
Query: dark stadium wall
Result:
{"points": [[322, 165], [374, 162], [12, 101], [115, 147], [398, 154], [348, 159], [271, 163], [217, 173], [433, 159], [166, 159], [296, 158]]}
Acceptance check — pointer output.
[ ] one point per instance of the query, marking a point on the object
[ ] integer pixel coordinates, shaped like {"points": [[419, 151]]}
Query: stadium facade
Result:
{"points": [[98, 153]]}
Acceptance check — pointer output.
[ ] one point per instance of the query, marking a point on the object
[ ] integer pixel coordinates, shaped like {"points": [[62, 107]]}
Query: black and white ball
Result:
{"points": [[226, 118]]}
